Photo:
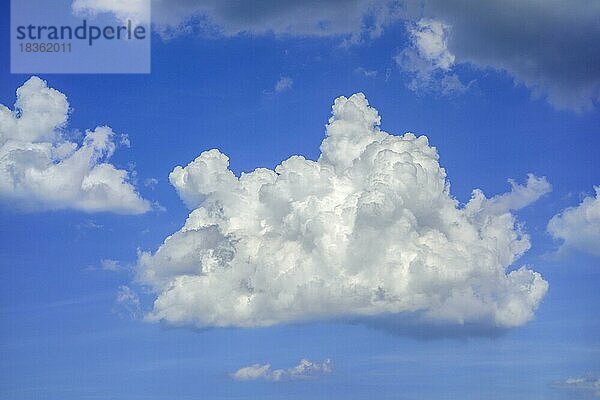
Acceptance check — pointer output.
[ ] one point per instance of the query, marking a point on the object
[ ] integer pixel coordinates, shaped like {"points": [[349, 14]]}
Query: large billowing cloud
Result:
{"points": [[40, 169], [579, 227], [369, 229]]}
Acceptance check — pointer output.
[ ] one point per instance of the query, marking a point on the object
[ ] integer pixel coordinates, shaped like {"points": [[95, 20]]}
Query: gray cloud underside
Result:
{"points": [[551, 46]]}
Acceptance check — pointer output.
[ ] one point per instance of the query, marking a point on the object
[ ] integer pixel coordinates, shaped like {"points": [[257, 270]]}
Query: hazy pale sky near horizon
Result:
{"points": [[252, 219]]}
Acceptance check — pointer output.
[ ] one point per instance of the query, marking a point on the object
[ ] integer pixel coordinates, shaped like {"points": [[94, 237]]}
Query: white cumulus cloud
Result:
{"points": [[40, 169], [369, 229], [306, 369], [579, 227]]}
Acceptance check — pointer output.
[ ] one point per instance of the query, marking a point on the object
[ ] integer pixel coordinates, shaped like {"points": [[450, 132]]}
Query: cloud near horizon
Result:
{"points": [[369, 229], [41, 170], [581, 387], [306, 369]]}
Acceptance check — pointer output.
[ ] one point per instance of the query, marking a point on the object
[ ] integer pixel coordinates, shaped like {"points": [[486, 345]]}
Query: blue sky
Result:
{"points": [[65, 334]]}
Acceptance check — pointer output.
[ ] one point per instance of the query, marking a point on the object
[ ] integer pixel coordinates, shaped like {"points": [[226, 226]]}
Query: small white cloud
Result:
{"points": [[251, 373], [89, 224], [124, 140], [366, 72], [586, 387], [579, 227], [306, 369], [369, 229], [40, 169], [428, 60], [429, 39], [520, 196], [283, 84]]}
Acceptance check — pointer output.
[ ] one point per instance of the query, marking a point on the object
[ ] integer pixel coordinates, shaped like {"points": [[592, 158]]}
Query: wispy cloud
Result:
{"points": [[366, 72], [87, 301], [127, 303], [583, 386], [284, 83], [150, 183], [89, 224], [110, 265]]}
